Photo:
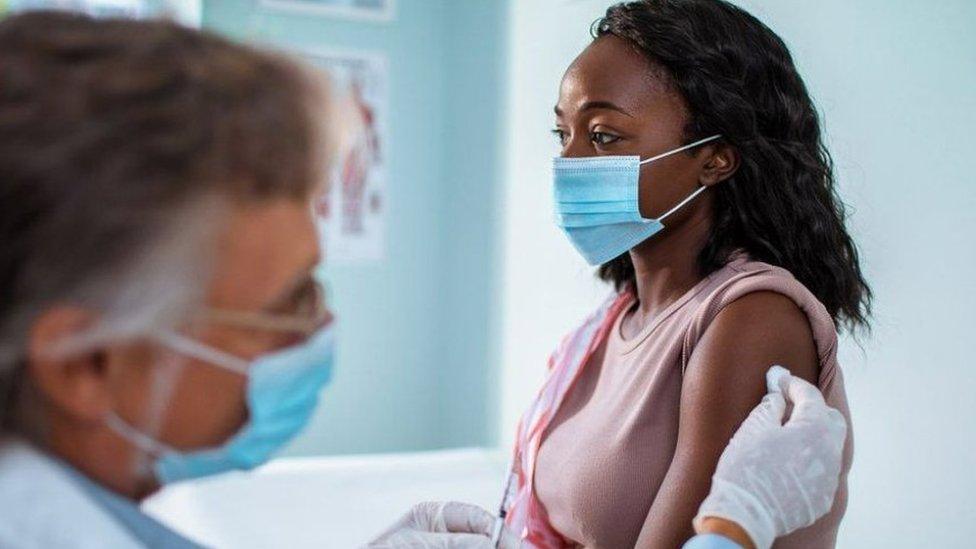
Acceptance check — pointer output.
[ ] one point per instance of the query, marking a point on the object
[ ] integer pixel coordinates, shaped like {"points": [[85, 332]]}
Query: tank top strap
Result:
{"points": [[755, 276]]}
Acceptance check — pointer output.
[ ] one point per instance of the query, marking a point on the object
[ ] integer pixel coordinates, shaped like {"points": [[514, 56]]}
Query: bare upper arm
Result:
{"points": [[724, 380]]}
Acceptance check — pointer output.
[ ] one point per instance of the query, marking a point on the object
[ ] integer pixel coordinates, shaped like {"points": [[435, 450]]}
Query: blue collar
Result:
{"points": [[147, 530]]}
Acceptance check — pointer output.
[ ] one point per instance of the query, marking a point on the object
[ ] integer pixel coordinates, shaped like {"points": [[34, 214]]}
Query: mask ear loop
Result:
{"points": [[191, 348], [680, 149], [165, 378], [187, 347], [150, 446], [676, 151], [682, 203], [141, 440]]}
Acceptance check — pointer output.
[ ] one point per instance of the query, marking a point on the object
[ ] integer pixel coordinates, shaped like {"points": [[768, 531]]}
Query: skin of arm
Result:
{"points": [[724, 380]]}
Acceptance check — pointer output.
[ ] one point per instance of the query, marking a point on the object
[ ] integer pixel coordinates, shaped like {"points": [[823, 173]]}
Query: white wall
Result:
{"points": [[895, 81], [546, 288]]}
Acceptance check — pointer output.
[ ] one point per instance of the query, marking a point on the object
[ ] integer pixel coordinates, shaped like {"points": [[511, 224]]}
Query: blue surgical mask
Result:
{"points": [[597, 203], [282, 393]]}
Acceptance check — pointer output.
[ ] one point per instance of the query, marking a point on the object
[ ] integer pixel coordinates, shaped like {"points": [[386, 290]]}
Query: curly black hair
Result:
{"points": [[738, 79]]}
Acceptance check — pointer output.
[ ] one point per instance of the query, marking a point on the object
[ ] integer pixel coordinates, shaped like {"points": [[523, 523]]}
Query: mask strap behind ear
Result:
{"points": [[141, 440], [682, 203], [684, 148]]}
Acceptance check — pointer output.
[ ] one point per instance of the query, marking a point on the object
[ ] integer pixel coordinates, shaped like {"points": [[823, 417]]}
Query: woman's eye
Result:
{"points": [[601, 138], [560, 135]]}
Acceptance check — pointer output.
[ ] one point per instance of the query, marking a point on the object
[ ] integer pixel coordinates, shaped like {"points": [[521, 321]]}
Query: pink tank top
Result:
{"points": [[607, 431]]}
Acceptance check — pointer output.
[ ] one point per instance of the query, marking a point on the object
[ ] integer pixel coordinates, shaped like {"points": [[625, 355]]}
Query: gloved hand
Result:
{"points": [[775, 478], [434, 525]]}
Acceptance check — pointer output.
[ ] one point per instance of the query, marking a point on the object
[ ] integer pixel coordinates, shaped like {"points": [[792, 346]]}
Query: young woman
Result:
{"points": [[718, 223]]}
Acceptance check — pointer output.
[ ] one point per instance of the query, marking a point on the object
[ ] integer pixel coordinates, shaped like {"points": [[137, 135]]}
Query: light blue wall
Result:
{"points": [[476, 69], [413, 363]]}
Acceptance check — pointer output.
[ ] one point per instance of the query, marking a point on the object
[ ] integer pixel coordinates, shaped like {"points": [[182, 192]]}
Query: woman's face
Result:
{"points": [[612, 101]]}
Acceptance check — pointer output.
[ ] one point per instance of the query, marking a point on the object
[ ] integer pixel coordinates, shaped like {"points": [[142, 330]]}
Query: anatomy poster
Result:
{"points": [[351, 216]]}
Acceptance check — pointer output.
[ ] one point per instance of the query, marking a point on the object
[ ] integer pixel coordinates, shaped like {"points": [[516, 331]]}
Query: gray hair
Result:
{"points": [[121, 145]]}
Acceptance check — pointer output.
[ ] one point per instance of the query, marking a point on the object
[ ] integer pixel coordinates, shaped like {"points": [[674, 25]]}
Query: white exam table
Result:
{"points": [[325, 502]]}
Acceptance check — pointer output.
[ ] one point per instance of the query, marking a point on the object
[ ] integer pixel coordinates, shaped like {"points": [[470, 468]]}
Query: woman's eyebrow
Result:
{"points": [[589, 105], [604, 105]]}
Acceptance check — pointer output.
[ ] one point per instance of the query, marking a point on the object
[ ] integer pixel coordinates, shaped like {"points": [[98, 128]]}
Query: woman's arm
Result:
{"points": [[724, 380]]}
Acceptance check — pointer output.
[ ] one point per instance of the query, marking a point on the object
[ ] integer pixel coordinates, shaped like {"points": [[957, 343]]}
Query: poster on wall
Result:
{"points": [[351, 216], [375, 10], [187, 12]]}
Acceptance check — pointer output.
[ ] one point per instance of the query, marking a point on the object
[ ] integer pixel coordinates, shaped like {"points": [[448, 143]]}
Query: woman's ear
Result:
{"points": [[721, 163], [76, 383]]}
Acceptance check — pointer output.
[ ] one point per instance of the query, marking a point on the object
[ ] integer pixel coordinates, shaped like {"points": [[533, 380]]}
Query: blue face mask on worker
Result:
{"points": [[282, 393], [597, 207]]}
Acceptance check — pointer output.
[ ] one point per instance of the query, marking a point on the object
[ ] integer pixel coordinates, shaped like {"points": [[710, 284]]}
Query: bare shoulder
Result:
{"points": [[726, 374], [754, 332]]}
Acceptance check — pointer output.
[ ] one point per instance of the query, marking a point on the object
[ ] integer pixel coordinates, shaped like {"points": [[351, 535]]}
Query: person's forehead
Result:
{"points": [[611, 69], [260, 252]]}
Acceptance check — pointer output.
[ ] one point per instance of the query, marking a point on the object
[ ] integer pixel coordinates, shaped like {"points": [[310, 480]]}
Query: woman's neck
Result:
{"points": [[665, 268]]}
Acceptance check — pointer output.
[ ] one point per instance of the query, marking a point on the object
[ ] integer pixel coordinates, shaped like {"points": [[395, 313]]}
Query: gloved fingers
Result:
{"points": [[439, 525], [428, 516], [454, 541], [819, 421], [777, 379], [808, 402], [768, 413], [803, 395], [467, 518]]}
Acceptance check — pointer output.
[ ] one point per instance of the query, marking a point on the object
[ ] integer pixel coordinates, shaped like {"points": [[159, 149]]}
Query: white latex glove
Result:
{"points": [[775, 478], [435, 525]]}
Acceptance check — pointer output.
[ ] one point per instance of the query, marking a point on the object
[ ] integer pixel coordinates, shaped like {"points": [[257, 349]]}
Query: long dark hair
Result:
{"points": [[738, 79]]}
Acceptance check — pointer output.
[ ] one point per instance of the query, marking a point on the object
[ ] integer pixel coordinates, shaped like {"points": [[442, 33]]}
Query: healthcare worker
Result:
{"points": [[160, 319]]}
